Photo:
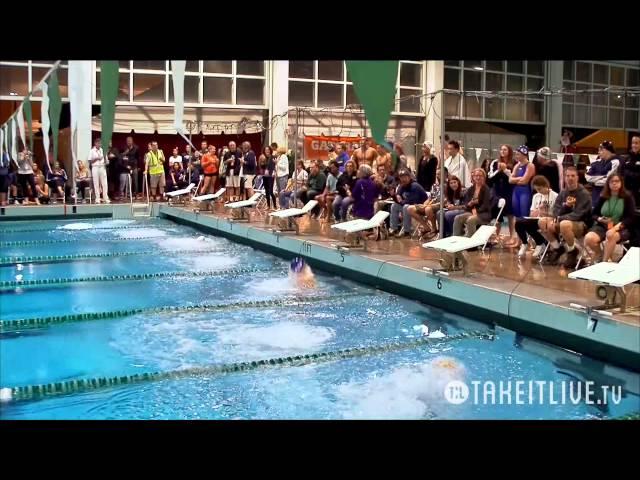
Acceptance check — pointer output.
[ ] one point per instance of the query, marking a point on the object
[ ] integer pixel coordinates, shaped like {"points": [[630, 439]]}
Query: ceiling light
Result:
{"points": [[478, 68], [13, 94]]}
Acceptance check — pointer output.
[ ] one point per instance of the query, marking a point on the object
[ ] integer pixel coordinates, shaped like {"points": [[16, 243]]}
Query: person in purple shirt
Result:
{"points": [[365, 193], [342, 156], [409, 193]]}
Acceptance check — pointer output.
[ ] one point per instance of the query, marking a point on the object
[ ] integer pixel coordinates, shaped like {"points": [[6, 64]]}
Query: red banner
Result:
{"points": [[317, 146]]}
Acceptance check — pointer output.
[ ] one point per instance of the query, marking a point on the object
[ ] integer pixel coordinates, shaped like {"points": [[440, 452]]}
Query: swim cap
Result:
{"points": [[297, 264]]}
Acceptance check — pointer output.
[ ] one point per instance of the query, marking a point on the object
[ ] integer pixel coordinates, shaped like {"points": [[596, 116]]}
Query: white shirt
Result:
{"points": [[458, 166], [96, 157], [282, 167], [300, 177], [176, 159], [545, 202]]}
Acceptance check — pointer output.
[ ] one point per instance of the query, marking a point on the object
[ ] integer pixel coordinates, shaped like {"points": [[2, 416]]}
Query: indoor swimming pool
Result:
{"points": [[228, 335]]}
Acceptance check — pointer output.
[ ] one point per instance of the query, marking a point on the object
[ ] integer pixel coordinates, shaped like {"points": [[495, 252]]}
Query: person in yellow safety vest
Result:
{"points": [[154, 164]]}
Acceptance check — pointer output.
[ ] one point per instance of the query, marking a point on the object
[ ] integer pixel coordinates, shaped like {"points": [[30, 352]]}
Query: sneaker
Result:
{"points": [[572, 259], [392, 233], [554, 254], [538, 251], [523, 250], [16, 202]]}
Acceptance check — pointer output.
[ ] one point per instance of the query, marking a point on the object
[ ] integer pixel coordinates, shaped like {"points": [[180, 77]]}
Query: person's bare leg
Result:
{"points": [[592, 243], [613, 238], [412, 211], [545, 225], [566, 229]]}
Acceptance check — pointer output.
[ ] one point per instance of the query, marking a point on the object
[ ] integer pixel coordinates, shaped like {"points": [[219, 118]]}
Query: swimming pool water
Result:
{"points": [[339, 314]]}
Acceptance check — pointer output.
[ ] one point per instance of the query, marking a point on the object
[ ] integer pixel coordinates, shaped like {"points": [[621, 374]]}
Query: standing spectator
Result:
{"points": [[127, 164], [456, 164], [601, 169], [5, 163], [131, 158], [409, 193], [499, 173], [83, 180], [231, 158], [630, 169], [523, 172], [267, 160], [113, 166], [427, 166], [188, 164], [154, 165], [548, 168], [26, 177], [282, 169], [331, 155], [315, 185], [175, 158], [342, 157], [98, 161], [210, 166], [571, 217], [248, 165], [365, 154]]}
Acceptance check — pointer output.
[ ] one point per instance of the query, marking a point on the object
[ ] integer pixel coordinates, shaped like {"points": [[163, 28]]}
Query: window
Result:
{"points": [[601, 74], [14, 80], [217, 66], [217, 90], [515, 66], [150, 65], [249, 91], [192, 66], [330, 70], [411, 75], [583, 72], [123, 87], [148, 87], [409, 102], [452, 79], [38, 73], [535, 67], [255, 68], [191, 89], [495, 65], [301, 94], [301, 69]]}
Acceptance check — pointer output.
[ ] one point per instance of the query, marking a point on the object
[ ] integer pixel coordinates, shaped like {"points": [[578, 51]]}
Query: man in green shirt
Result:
{"points": [[315, 186]]}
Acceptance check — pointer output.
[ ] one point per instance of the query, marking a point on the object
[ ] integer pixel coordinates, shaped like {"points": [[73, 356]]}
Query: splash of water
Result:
{"points": [[75, 226], [140, 232]]}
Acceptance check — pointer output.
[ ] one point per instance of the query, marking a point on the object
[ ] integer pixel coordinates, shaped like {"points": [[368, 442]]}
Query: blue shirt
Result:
{"points": [[341, 160], [412, 194]]}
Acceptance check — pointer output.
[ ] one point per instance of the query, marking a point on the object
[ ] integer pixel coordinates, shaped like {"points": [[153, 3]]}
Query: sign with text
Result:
{"points": [[317, 146]]}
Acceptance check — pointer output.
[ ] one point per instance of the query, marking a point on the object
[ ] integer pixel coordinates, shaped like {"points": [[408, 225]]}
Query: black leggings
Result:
{"points": [[23, 180], [530, 226], [268, 188], [82, 185]]}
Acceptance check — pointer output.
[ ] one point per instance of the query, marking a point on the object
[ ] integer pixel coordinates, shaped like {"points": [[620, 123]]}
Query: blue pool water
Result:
{"points": [[341, 314]]}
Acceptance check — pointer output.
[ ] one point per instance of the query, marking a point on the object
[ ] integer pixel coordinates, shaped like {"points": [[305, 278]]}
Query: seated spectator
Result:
{"points": [[325, 200], [454, 204], [344, 187], [331, 155], [630, 169], [425, 214], [176, 179], [83, 180], [5, 164], [342, 157], [387, 186], [56, 179], [541, 206], [314, 186], [364, 193], [294, 186], [571, 216], [602, 168], [43, 194], [409, 193], [613, 216], [477, 206]]}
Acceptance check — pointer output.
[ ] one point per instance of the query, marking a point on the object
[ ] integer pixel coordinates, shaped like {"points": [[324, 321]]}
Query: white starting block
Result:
{"points": [[611, 278], [208, 198], [178, 194], [354, 230], [290, 216], [242, 205]]}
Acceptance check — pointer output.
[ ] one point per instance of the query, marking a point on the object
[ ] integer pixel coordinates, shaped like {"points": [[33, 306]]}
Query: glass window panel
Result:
{"points": [[452, 105], [192, 66], [497, 65], [633, 77], [191, 87], [216, 66], [301, 69], [452, 63], [352, 98], [409, 104], [631, 119], [150, 64], [216, 90], [567, 114], [472, 107], [616, 100], [583, 72], [495, 82], [617, 76], [253, 67], [472, 80], [410, 75], [301, 94], [515, 109], [329, 95], [568, 70], [451, 79], [14, 79], [534, 111], [123, 87], [535, 67], [583, 97], [515, 66], [330, 70], [534, 83], [126, 64], [615, 118], [631, 102], [473, 64], [148, 88], [601, 74], [249, 91], [38, 74], [515, 84], [494, 108], [599, 117], [582, 115], [599, 98]]}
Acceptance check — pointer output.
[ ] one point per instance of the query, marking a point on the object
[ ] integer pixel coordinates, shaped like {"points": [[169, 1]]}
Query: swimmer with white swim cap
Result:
{"points": [[301, 273]]}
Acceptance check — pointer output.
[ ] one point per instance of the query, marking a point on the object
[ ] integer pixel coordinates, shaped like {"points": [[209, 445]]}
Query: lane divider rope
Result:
{"points": [[26, 243], [34, 392], [27, 323], [11, 284], [44, 229]]}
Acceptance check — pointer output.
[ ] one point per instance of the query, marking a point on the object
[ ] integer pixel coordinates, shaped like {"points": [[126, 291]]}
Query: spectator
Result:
{"points": [[175, 158], [425, 214], [409, 193], [364, 193], [331, 152], [344, 187], [365, 154], [499, 173], [541, 206], [131, 158], [315, 185], [383, 159], [601, 169], [5, 164], [231, 158], [456, 164], [189, 164], [248, 165], [83, 181], [325, 200], [571, 217], [268, 165], [282, 170], [154, 165], [176, 179], [477, 206], [26, 177], [295, 185], [113, 167], [630, 169], [523, 172], [97, 161], [548, 168], [427, 166], [342, 157], [613, 218], [43, 194], [57, 178], [210, 166]]}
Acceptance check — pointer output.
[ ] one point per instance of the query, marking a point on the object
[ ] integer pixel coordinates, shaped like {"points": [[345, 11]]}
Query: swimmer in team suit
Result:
{"points": [[301, 274]]}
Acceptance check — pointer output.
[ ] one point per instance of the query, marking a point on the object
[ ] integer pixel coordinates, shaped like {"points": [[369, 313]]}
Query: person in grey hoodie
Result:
{"points": [[26, 176], [571, 217]]}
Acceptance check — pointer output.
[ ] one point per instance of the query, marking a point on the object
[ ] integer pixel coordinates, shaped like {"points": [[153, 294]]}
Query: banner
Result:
{"points": [[316, 147], [109, 80], [29, 118], [55, 109], [177, 68], [20, 120], [44, 115]]}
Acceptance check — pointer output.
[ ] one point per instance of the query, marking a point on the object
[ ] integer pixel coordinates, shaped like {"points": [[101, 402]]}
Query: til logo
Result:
{"points": [[456, 392]]}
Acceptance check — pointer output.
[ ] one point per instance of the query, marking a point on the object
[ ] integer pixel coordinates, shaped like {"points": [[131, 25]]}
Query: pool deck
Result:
{"points": [[521, 296]]}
